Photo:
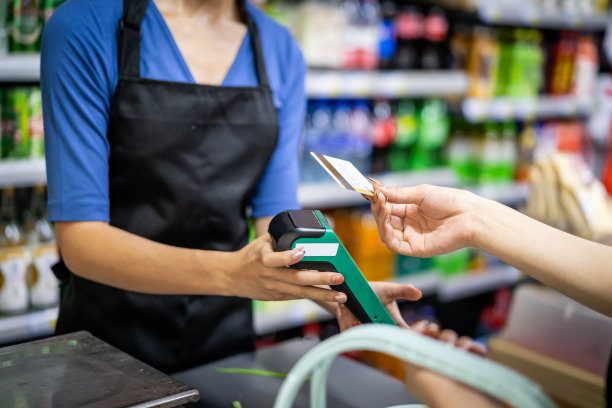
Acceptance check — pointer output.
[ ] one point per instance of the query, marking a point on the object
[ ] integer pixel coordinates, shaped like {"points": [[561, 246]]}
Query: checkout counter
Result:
{"points": [[79, 370]]}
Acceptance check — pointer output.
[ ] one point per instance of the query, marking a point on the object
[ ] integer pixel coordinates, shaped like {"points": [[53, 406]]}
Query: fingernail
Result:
{"points": [[373, 180], [340, 298], [374, 197], [338, 279], [299, 255]]}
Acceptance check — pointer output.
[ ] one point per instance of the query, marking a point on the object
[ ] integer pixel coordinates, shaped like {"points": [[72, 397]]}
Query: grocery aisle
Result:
{"points": [[480, 95]]}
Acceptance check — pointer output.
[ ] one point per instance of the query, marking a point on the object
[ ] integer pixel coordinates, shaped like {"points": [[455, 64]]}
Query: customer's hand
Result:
{"points": [[424, 220], [388, 293], [257, 272], [430, 387]]}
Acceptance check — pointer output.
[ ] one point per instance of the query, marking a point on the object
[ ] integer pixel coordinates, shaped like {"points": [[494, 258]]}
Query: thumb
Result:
{"points": [[404, 292]]}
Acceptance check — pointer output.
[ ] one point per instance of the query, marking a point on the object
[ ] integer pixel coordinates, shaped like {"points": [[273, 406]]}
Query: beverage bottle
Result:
{"points": [[509, 152], [352, 34], [4, 30], [361, 133], [409, 29], [388, 44], [7, 137], [43, 286], [435, 48], [318, 129], [383, 133], [491, 155], [561, 68], [13, 258], [406, 136], [18, 112], [36, 147], [483, 64], [586, 66], [26, 25], [370, 35], [433, 130]]}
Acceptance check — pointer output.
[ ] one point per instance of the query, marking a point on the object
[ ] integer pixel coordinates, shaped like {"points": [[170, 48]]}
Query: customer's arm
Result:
{"points": [[428, 220]]}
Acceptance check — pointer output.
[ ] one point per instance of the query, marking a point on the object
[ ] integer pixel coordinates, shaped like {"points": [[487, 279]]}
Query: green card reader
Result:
{"points": [[324, 252]]}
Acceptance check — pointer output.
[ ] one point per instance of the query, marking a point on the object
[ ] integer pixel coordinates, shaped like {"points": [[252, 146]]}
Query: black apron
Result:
{"points": [[185, 160]]}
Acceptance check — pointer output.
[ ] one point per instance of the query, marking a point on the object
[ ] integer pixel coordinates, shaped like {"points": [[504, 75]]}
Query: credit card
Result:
{"points": [[345, 174]]}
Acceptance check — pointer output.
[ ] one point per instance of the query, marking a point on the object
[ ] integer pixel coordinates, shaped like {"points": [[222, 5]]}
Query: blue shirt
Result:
{"points": [[78, 79]]}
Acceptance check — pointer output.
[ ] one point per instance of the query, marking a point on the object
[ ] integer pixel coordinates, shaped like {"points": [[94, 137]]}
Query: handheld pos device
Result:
{"points": [[324, 252]]}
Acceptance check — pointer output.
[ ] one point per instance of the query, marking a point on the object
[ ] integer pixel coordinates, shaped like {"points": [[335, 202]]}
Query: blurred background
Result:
{"points": [[509, 99]]}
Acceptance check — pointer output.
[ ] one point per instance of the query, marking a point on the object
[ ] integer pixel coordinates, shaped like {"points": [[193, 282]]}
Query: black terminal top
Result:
{"points": [[290, 225]]}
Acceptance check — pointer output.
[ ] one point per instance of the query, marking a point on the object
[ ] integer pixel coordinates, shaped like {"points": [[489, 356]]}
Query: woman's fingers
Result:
{"points": [[405, 195], [307, 277], [286, 291]]}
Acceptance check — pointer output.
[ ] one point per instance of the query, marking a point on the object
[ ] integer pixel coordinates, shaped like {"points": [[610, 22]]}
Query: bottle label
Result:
{"points": [[13, 292]]}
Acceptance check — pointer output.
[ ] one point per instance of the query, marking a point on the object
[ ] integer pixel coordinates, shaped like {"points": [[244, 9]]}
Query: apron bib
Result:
{"points": [[185, 160]]}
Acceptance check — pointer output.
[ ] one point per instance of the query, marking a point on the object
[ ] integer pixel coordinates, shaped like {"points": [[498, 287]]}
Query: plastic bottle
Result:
{"points": [[26, 25], [491, 155], [409, 26], [406, 136], [383, 133], [361, 133], [586, 66], [36, 145], [509, 153], [388, 42], [433, 130], [4, 27], [483, 64], [435, 49], [370, 34], [13, 258]]}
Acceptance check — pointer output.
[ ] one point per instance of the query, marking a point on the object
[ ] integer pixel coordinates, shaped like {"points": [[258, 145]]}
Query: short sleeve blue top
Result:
{"points": [[78, 79]]}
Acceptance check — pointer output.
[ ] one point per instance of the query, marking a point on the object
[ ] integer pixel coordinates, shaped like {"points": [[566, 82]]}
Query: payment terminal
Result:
{"points": [[324, 252]]}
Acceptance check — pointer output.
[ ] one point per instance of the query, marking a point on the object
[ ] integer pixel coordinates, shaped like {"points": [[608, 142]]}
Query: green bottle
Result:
{"points": [[4, 40], [26, 25], [433, 129], [406, 136], [36, 147], [509, 152], [18, 114], [490, 156]]}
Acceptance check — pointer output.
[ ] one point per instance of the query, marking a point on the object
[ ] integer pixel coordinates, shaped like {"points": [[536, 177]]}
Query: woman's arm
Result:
{"points": [[105, 254], [428, 220]]}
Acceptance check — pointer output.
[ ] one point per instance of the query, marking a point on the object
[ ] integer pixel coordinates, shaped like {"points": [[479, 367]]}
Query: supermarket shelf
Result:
{"points": [[385, 84], [508, 13], [22, 172], [20, 68], [328, 194], [505, 108], [285, 315], [26, 326]]}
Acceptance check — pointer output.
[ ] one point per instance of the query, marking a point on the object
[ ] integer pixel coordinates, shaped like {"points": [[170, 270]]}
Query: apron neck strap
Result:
{"points": [[130, 31], [260, 64], [129, 37]]}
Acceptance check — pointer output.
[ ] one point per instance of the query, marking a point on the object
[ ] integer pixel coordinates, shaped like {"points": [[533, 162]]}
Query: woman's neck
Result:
{"points": [[203, 10]]}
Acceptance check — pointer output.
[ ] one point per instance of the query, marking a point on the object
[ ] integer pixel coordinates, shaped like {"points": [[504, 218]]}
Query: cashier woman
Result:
{"points": [[167, 124]]}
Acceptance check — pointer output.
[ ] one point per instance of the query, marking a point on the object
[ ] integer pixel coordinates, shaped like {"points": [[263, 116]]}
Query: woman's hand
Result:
{"points": [[257, 272], [424, 220], [388, 293], [430, 387]]}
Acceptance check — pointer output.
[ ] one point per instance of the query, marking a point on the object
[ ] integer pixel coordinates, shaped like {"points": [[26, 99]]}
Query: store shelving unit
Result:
{"points": [[328, 194], [510, 14], [525, 109], [330, 84], [285, 315], [33, 324], [22, 172], [20, 68]]}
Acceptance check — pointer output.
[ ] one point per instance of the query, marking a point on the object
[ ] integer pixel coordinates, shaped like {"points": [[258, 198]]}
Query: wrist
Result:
{"points": [[217, 267]]}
